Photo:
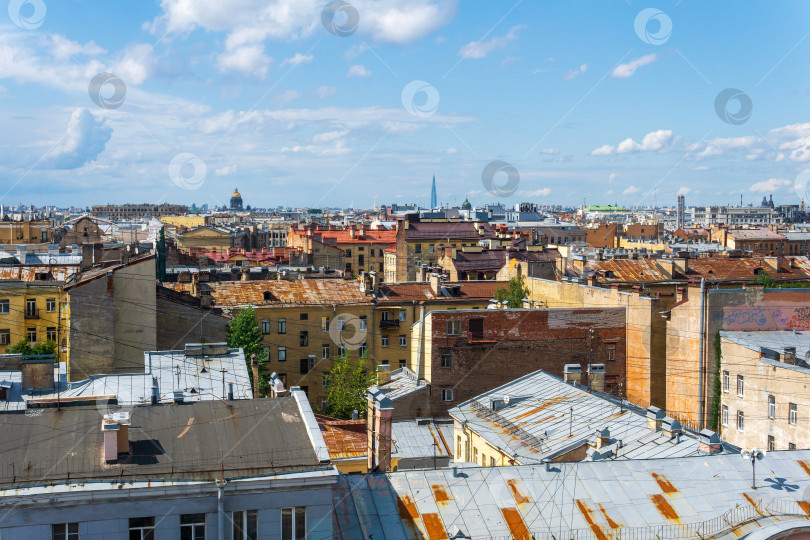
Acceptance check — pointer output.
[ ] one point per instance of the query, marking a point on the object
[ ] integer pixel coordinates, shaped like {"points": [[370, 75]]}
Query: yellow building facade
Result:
{"points": [[33, 311]]}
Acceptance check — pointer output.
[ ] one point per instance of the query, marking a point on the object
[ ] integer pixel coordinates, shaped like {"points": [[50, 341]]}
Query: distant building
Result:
{"points": [[125, 212], [433, 200], [236, 200]]}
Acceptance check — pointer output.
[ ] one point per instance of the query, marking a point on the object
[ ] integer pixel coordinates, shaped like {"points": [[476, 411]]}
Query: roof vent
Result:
{"points": [[654, 417], [670, 427], [709, 442]]}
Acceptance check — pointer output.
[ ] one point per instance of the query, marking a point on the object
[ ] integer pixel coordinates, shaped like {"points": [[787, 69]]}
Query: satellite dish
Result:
{"points": [[506, 400], [745, 454]]}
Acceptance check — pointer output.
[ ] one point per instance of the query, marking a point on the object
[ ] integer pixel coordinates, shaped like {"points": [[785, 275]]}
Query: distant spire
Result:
{"points": [[433, 199]]}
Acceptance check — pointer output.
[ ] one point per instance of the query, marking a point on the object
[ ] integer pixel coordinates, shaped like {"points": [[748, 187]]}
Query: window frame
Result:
{"points": [[147, 531], [67, 533], [291, 522], [447, 360], [740, 386], [384, 341], [265, 325], [243, 531], [403, 340], [793, 414], [193, 526], [726, 381], [5, 306], [454, 327], [282, 326], [724, 416], [771, 407], [403, 315], [50, 305], [447, 395], [282, 353], [740, 421]]}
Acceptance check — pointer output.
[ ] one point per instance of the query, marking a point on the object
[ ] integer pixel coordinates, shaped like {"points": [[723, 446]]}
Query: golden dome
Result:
{"points": [[236, 193]]}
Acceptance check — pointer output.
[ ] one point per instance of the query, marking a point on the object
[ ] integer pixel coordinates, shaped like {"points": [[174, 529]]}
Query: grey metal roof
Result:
{"points": [[537, 423], [417, 438], [775, 340], [203, 440], [403, 382], [656, 498], [200, 378]]}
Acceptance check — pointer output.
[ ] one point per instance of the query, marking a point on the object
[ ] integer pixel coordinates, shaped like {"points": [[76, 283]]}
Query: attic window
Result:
{"points": [[609, 274], [757, 271], [268, 296]]}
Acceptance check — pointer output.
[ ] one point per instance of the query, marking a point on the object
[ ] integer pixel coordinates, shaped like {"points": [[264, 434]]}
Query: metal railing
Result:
{"points": [[521, 434], [32, 313]]}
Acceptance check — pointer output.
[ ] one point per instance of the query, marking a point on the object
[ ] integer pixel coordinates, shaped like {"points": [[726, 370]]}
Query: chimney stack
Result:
{"points": [[654, 417], [378, 422], [709, 442], [230, 391], [435, 284], [254, 364], [602, 438], [422, 274], [383, 374], [572, 374], [115, 427], [596, 377], [375, 282], [670, 427], [277, 388]]}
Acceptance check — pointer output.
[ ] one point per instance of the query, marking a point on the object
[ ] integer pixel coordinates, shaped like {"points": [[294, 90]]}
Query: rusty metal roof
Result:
{"points": [[723, 268], [282, 292], [688, 497], [468, 290], [630, 270], [30, 273]]}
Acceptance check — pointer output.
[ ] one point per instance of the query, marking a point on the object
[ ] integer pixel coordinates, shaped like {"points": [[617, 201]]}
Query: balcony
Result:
{"points": [[32, 313], [388, 324]]}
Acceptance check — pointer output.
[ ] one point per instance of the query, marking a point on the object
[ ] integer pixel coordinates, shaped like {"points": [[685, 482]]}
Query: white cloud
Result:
{"points": [[297, 59], [549, 151], [324, 92], [611, 177], [623, 71], [227, 170], [135, 64], [684, 191], [451, 151], [480, 49], [609, 192], [329, 136], [544, 192], [700, 168], [287, 97], [86, 137], [358, 70], [63, 48], [771, 185], [355, 50], [630, 190], [574, 73], [655, 141], [716, 147], [244, 53]]}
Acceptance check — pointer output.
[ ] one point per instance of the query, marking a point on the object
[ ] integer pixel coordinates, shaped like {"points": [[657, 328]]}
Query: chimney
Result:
{"points": [[680, 294], [254, 364], [277, 388], [378, 422], [230, 391], [654, 417], [790, 355], [602, 438], [709, 442], [383, 374], [37, 374], [435, 284], [245, 274], [155, 392], [670, 427], [115, 427], [572, 374], [596, 377], [422, 273], [375, 282]]}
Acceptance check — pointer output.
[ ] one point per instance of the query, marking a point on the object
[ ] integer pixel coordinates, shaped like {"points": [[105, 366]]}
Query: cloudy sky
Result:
{"points": [[310, 103]]}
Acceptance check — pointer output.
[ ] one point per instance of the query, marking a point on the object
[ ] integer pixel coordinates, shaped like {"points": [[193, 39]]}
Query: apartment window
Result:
{"points": [[793, 414], [725, 381], [771, 443], [32, 335], [282, 326], [403, 363], [384, 315], [740, 421], [65, 531], [475, 455], [447, 394], [740, 386], [385, 341], [303, 317], [447, 360], [293, 523], [265, 326], [453, 328], [303, 338], [492, 462], [304, 366], [403, 315], [771, 407], [282, 354], [324, 324], [325, 380], [363, 323], [246, 525], [142, 528], [417, 248], [5, 336], [4, 306], [483, 459], [192, 527], [51, 334], [611, 352], [325, 351], [348, 253], [791, 446], [361, 260], [341, 351], [403, 341], [31, 306], [432, 248], [341, 322], [50, 305], [362, 350], [724, 419]]}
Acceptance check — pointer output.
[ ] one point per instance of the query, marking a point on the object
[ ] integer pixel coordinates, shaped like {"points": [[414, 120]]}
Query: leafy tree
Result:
{"points": [[25, 348], [244, 332], [514, 292], [348, 384], [764, 279]]}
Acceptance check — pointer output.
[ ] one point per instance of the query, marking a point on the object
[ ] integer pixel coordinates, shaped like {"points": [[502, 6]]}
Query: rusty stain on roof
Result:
{"points": [[439, 493], [468, 290], [547, 403], [664, 508], [753, 503], [805, 505], [664, 483], [804, 465], [717, 268], [409, 514], [343, 438], [515, 523], [587, 513], [520, 498], [610, 521], [300, 292], [434, 527], [30, 273]]}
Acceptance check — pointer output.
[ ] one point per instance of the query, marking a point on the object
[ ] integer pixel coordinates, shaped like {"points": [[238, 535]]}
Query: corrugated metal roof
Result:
{"points": [[722, 268], [403, 382], [30, 273], [468, 290], [283, 292], [537, 423], [683, 497]]}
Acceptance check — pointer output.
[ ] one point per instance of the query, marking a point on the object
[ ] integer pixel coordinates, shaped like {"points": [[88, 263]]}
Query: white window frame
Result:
{"points": [[293, 516], [771, 407], [740, 386], [363, 323], [403, 341], [447, 394], [724, 417], [50, 305], [67, 534], [454, 328], [195, 526], [726, 379], [793, 414], [244, 516], [5, 306], [740, 421], [143, 530], [403, 315], [325, 350], [384, 341], [5, 336]]}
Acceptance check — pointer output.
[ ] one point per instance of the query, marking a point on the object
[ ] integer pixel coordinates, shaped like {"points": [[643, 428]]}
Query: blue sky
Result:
{"points": [[609, 101]]}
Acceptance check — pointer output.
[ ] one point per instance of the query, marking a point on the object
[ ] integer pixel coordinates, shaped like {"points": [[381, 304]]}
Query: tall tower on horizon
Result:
{"points": [[433, 202]]}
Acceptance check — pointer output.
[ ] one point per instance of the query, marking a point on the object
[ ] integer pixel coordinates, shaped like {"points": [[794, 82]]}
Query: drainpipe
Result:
{"points": [[702, 356], [221, 509]]}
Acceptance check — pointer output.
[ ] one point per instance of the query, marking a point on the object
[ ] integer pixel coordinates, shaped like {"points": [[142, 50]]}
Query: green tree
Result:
{"points": [[25, 348], [348, 385], [514, 292], [764, 279], [244, 332]]}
